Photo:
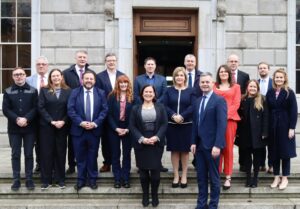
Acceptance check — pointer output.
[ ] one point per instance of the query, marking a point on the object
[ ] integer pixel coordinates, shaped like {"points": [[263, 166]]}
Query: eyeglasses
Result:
{"points": [[111, 60], [43, 64], [18, 74]]}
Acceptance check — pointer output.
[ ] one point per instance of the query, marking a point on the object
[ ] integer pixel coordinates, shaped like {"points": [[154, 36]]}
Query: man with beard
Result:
{"points": [[87, 109]]}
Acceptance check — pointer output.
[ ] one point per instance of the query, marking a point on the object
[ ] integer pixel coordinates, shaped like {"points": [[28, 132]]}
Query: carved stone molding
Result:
{"points": [[221, 10], [109, 10]]}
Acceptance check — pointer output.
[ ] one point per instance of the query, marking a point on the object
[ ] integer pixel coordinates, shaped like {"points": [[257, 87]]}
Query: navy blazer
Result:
{"points": [[114, 112], [269, 84], [77, 114], [211, 131], [71, 77], [242, 80], [103, 81], [160, 85], [52, 108], [197, 91]]}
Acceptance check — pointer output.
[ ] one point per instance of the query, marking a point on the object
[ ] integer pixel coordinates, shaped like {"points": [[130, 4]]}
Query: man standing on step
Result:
{"points": [[20, 107], [39, 80], [73, 78], [106, 81], [211, 114], [87, 109]]}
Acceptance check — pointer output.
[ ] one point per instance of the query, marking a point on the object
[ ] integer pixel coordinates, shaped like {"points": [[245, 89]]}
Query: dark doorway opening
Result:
{"points": [[169, 53]]}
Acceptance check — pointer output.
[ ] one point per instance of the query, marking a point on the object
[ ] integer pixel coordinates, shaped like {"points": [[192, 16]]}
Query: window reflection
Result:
{"points": [[24, 28], [24, 8], [24, 55], [8, 8], [9, 57], [8, 28]]}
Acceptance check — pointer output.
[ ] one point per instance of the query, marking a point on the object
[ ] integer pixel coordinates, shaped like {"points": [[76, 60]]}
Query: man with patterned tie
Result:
{"points": [[39, 80], [193, 74], [87, 109], [211, 114], [73, 78]]}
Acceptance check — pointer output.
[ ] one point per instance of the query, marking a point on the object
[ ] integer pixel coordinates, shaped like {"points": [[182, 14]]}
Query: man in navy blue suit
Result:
{"points": [[192, 73], [87, 108], [106, 81], [265, 84], [208, 138]]}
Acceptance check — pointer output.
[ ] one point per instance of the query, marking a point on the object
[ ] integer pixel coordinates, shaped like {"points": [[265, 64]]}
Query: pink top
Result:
{"points": [[122, 108], [233, 100]]}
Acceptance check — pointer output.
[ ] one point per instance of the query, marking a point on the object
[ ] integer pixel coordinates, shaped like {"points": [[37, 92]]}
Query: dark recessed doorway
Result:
{"points": [[169, 52]]}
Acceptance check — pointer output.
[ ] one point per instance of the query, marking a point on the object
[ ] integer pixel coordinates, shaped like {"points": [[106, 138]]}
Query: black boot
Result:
{"points": [[154, 192], [248, 179]]}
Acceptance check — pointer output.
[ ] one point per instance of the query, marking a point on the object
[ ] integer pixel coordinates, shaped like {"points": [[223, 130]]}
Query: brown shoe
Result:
{"points": [[105, 168]]}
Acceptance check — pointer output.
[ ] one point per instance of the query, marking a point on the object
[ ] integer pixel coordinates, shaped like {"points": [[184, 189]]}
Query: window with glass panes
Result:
{"points": [[15, 43]]}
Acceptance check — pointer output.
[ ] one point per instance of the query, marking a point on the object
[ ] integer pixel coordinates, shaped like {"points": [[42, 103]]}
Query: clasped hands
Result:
{"points": [[22, 122], [150, 141], [177, 118], [215, 152], [87, 125], [122, 131], [58, 124]]}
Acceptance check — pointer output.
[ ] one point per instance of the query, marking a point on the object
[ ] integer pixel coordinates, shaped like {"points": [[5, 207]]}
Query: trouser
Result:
{"points": [[105, 144], [150, 177], [53, 146], [37, 148], [71, 155], [255, 160], [285, 166], [15, 141]]}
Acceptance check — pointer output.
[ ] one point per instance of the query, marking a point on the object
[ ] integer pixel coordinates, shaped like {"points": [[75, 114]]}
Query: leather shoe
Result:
{"points": [[93, 186], [16, 185], [78, 187], [117, 185], [126, 184], [29, 185], [163, 169], [175, 185], [183, 185], [70, 170], [105, 168]]}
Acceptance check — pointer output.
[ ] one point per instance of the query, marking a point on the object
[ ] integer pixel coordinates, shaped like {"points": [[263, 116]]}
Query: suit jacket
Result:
{"points": [[160, 85], [196, 87], [252, 121], [52, 108], [136, 124], [211, 130], [114, 112], [71, 76], [242, 80], [269, 84], [103, 81], [77, 114]]}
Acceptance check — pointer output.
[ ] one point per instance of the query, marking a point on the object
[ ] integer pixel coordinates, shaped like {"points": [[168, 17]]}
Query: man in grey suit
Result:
{"points": [[38, 80]]}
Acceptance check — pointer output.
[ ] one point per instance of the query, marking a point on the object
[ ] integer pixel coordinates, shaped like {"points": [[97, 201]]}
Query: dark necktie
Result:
{"points": [[88, 116], [202, 109], [190, 80]]}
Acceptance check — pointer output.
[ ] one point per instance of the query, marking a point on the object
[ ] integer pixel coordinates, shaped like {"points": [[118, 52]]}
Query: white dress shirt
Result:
{"points": [[112, 77], [263, 84]]}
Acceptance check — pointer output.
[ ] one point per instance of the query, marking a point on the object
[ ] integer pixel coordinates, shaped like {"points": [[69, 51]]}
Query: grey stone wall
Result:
{"points": [[69, 25], [257, 31]]}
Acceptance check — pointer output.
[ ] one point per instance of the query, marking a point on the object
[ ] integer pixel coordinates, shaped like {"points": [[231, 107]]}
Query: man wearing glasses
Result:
{"points": [[19, 106], [39, 80]]}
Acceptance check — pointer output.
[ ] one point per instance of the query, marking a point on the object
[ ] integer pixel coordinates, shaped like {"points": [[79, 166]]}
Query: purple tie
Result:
{"points": [[80, 76], [88, 116]]}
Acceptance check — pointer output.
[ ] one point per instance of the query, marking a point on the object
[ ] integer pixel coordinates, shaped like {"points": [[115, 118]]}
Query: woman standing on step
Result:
{"points": [[178, 102], [283, 109], [120, 103], [252, 130], [54, 129], [227, 88], [148, 124]]}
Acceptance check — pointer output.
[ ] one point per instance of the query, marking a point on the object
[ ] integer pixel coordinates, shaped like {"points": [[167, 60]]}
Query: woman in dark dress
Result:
{"points": [[120, 103], [178, 102], [283, 119], [148, 124], [54, 128], [252, 130]]}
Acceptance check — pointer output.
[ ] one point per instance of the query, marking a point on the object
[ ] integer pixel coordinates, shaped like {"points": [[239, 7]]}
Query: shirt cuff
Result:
{"points": [[140, 141]]}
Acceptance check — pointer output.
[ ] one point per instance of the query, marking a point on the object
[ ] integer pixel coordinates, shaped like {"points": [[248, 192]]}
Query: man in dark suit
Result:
{"points": [[150, 77], [106, 81], [265, 84], [242, 79], [73, 78], [19, 106], [87, 109], [193, 74], [211, 114], [39, 80]]}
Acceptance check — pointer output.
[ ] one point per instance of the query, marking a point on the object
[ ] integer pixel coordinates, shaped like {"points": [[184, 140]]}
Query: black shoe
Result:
{"points": [[78, 187], [45, 186], [163, 169], [61, 185], [155, 200], [70, 170], [117, 185], [175, 185], [93, 186], [145, 200], [183, 185], [29, 185], [126, 184], [16, 185], [254, 183], [37, 169]]}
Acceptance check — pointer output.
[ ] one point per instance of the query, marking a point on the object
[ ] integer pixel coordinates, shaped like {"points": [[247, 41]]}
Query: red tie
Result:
{"points": [[233, 77], [42, 83]]}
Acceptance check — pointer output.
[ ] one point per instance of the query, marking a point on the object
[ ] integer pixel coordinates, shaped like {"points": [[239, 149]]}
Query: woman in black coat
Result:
{"points": [[120, 102], [148, 125], [283, 119], [252, 130], [54, 128]]}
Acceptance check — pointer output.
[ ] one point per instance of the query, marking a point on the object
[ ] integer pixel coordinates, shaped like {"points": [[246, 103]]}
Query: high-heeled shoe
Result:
{"points": [[283, 185], [275, 183], [225, 187]]}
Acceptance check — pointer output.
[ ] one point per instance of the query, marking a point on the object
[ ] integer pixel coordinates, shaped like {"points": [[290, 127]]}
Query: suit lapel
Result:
{"points": [[96, 101], [208, 104]]}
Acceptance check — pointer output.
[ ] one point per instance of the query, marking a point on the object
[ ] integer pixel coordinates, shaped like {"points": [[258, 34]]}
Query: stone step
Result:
{"points": [[121, 203]]}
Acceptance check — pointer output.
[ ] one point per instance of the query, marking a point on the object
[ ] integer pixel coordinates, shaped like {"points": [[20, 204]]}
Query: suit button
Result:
{"points": [[20, 100]]}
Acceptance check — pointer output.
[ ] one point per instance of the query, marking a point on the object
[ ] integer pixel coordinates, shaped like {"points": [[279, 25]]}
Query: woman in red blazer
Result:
{"points": [[231, 92]]}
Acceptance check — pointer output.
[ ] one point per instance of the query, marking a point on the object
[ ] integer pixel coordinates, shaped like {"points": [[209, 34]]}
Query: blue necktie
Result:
{"points": [[88, 116], [190, 80], [202, 109]]}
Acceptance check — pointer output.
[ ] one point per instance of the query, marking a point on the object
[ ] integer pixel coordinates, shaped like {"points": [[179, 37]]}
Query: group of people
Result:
{"points": [[76, 107]]}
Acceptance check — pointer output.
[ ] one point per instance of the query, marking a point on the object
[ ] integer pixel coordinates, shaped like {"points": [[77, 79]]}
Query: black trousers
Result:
{"points": [[252, 157], [148, 177], [71, 155], [105, 143], [53, 145], [285, 166]]}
